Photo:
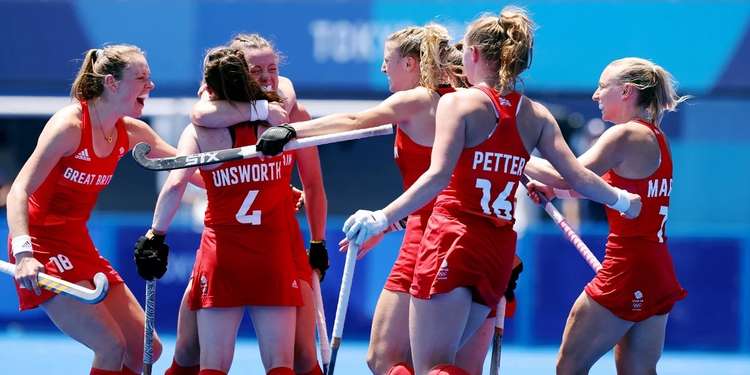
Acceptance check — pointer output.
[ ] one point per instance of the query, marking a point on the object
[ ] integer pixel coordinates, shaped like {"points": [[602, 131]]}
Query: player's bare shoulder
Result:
{"points": [[134, 125], [465, 102], [418, 96], [66, 122], [70, 116], [631, 134]]}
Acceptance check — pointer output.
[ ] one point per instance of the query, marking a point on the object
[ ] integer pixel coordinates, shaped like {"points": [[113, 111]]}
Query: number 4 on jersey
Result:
{"points": [[243, 214], [501, 207]]}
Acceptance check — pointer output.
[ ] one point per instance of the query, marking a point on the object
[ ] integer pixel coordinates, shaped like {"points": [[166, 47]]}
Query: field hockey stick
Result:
{"points": [[148, 329], [343, 304], [60, 286], [571, 235], [325, 348], [497, 338], [246, 152]]}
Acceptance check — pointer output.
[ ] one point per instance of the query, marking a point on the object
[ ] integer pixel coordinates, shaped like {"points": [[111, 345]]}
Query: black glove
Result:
{"points": [[272, 141], [151, 255], [510, 293], [318, 257]]}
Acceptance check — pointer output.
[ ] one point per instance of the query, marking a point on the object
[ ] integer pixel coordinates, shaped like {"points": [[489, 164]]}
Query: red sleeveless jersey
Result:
{"points": [[251, 191], [654, 191], [486, 176], [412, 158], [70, 190]]}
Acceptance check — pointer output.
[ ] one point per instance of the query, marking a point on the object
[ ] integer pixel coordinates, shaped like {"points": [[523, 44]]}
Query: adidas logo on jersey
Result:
{"points": [[504, 102], [83, 155], [294, 284]]}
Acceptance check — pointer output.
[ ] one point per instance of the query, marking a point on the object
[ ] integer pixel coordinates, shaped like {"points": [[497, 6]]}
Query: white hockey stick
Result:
{"points": [[60, 286], [343, 304], [320, 320]]}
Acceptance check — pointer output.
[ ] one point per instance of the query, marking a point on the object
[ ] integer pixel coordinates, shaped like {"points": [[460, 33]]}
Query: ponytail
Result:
{"points": [[657, 88], [97, 64], [87, 84], [516, 47], [505, 40], [436, 57]]}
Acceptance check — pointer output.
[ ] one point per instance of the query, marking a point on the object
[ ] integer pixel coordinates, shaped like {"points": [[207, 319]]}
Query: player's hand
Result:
{"points": [[273, 140], [318, 257], [27, 271], [298, 197], [364, 249], [277, 114], [151, 254], [635, 206], [535, 188], [363, 225]]}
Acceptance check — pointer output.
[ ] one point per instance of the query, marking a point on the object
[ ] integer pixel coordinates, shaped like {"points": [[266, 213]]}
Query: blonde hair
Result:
{"points": [[97, 64], [430, 45], [657, 89], [507, 40]]}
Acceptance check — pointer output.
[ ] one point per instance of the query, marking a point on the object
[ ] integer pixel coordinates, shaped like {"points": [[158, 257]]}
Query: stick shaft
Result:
{"points": [[570, 234], [497, 339], [343, 304], [148, 330], [325, 348], [335, 351], [219, 156]]}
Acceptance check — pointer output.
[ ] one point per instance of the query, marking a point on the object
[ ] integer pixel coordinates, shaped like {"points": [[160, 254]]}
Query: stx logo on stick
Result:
{"points": [[205, 157]]}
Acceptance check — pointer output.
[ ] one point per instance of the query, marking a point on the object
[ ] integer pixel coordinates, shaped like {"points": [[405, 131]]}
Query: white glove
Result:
{"points": [[363, 225]]}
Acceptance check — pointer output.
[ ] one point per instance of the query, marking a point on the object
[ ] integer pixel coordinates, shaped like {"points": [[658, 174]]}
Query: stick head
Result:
{"points": [[140, 151], [101, 285]]}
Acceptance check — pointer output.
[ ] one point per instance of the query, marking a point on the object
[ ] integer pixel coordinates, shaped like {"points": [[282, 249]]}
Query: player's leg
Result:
{"points": [[91, 325], [305, 354], [434, 339], [274, 327], [472, 354], [389, 337], [590, 332], [186, 359], [127, 312], [640, 349], [217, 334]]}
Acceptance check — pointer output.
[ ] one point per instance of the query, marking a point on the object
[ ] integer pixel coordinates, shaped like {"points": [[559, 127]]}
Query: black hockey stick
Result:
{"points": [[246, 152]]}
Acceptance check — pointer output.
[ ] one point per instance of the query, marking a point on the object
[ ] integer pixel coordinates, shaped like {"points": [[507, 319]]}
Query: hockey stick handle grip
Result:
{"points": [[346, 287]]}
